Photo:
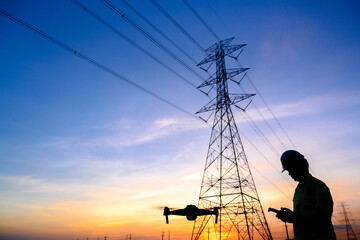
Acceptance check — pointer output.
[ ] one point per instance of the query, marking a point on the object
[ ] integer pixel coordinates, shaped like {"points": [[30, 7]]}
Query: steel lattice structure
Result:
{"points": [[349, 230], [227, 181]]}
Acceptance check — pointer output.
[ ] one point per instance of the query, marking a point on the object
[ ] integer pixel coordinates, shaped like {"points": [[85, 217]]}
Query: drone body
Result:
{"points": [[191, 212]]}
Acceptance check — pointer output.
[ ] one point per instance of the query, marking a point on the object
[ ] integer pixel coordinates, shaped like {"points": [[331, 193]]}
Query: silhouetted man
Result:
{"points": [[312, 202]]}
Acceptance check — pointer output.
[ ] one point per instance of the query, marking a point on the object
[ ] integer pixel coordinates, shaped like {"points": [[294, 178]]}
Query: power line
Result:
{"points": [[149, 36], [259, 132], [287, 196], [266, 122], [87, 10], [252, 83], [266, 159], [267, 106], [264, 139], [258, 92], [168, 16], [201, 20], [253, 145], [159, 31], [90, 60], [97, 64], [101, 66], [271, 112], [273, 115], [200, 47]]}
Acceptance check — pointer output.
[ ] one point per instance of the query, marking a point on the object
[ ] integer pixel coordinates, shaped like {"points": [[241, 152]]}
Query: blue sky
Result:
{"points": [[74, 138]]}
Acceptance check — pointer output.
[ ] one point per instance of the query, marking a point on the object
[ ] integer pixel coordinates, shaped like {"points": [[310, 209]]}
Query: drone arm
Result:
{"points": [[179, 212], [166, 214], [216, 212]]}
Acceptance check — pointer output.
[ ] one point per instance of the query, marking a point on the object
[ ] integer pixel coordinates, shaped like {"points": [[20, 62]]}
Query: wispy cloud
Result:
{"points": [[308, 106], [124, 133], [31, 186], [130, 135]]}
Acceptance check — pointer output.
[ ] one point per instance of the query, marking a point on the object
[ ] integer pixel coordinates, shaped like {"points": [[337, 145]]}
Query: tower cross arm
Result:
{"points": [[238, 97], [224, 42], [227, 50], [232, 72], [208, 107], [210, 81], [229, 73], [234, 98], [233, 48], [210, 58]]}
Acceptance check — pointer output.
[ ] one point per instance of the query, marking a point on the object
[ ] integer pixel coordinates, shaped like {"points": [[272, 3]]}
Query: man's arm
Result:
{"points": [[285, 215]]}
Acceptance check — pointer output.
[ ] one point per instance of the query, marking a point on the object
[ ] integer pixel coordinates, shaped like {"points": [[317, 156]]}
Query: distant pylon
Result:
{"points": [[227, 181], [349, 230]]}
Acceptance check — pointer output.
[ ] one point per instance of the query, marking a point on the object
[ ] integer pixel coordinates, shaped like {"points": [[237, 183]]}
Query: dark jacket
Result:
{"points": [[313, 208]]}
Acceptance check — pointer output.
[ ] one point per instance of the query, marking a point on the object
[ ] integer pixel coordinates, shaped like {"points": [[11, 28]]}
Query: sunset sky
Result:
{"points": [[86, 155]]}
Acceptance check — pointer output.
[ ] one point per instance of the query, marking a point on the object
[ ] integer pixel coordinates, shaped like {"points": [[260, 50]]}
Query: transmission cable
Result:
{"points": [[159, 31], [238, 132], [273, 115], [287, 196], [149, 36], [253, 145], [168, 16], [102, 67], [272, 165], [258, 92], [249, 120], [201, 20], [267, 124], [258, 131], [87, 10], [267, 106], [90, 60]]}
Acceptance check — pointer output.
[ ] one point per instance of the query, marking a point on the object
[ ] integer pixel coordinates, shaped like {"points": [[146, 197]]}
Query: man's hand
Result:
{"points": [[285, 215]]}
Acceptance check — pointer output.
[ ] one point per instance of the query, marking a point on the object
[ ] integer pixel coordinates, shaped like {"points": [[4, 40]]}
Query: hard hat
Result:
{"points": [[290, 157]]}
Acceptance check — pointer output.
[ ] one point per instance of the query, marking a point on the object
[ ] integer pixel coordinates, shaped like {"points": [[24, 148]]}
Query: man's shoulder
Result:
{"points": [[316, 181], [316, 185], [312, 183]]}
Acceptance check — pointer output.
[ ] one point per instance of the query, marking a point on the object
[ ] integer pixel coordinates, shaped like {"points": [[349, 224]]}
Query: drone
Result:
{"points": [[191, 212]]}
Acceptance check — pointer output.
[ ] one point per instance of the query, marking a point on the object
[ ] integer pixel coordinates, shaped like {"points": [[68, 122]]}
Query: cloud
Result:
{"points": [[36, 189], [20, 180], [125, 133], [193, 176], [308, 106], [130, 135]]}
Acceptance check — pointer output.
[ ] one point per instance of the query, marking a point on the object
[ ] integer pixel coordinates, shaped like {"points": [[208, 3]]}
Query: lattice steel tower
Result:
{"points": [[227, 181], [349, 230]]}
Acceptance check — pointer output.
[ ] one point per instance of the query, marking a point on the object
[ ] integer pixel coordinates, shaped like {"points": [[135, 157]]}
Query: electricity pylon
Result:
{"points": [[227, 181], [349, 230]]}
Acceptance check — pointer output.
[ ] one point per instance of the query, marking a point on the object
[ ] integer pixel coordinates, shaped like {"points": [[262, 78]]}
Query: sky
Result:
{"points": [[85, 154]]}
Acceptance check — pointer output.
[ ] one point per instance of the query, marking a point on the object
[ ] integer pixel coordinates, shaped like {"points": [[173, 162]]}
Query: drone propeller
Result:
{"points": [[161, 208]]}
